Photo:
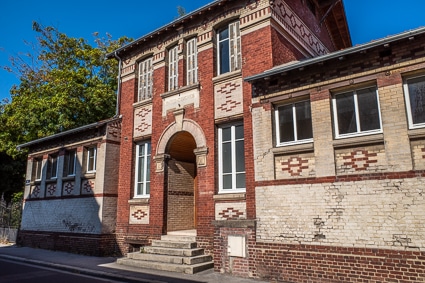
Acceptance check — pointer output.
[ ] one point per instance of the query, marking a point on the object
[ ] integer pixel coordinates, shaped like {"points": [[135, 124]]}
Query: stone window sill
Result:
{"points": [[226, 197]]}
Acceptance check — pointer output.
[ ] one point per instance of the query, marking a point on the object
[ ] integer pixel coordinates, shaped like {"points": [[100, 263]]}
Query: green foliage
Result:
{"points": [[64, 83], [181, 11]]}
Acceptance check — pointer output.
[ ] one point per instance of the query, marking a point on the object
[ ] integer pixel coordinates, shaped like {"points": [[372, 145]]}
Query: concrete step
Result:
{"points": [[178, 238], [174, 244], [172, 251], [169, 259], [189, 269]]}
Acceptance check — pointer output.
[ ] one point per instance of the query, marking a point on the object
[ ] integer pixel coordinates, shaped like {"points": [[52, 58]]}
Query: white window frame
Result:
{"points": [[294, 114], [68, 159], [358, 130], [38, 170], [145, 79], [191, 61], [408, 105], [173, 68], [53, 162], [91, 153], [234, 42], [146, 169], [233, 160]]}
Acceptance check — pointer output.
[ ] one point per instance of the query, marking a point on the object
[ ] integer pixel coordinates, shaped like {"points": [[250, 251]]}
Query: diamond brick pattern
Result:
{"points": [[144, 124], [360, 160], [139, 214], [228, 88], [295, 165], [88, 186], [35, 191], [229, 105], [51, 189], [231, 213], [68, 187]]}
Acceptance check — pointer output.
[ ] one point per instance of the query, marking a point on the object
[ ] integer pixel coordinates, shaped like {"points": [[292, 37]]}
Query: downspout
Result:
{"points": [[119, 84]]}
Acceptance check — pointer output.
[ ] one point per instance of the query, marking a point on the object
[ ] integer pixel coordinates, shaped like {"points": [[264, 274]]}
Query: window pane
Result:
{"points": [[227, 157], [286, 123], [141, 169], [345, 113], [417, 99], [139, 188], [148, 166], [224, 57], [240, 181], [223, 34], [239, 132], [304, 125], [227, 182], [148, 188], [367, 101], [226, 134], [240, 156]]}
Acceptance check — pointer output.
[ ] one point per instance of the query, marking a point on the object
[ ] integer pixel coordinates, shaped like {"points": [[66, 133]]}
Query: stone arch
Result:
{"points": [[187, 125]]}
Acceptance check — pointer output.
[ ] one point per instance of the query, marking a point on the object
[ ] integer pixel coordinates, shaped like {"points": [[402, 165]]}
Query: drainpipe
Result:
{"points": [[119, 85]]}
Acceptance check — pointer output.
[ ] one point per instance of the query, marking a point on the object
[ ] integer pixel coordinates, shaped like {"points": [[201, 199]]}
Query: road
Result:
{"points": [[11, 271]]}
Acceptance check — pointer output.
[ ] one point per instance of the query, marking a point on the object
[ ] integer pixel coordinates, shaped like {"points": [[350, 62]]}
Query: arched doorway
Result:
{"points": [[180, 193]]}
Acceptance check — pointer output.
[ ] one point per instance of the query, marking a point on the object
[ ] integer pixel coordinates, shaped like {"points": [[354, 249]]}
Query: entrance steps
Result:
{"points": [[176, 253]]}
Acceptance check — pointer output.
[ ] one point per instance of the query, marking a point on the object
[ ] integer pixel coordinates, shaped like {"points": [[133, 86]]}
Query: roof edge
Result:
{"points": [[358, 48], [75, 130]]}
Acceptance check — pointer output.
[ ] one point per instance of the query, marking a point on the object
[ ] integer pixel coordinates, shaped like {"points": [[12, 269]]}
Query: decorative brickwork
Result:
{"points": [[87, 187], [139, 214], [230, 210], [35, 191], [143, 121], [50, 190], [68, 188], [355, 161], [291, 166], [228, 98]]}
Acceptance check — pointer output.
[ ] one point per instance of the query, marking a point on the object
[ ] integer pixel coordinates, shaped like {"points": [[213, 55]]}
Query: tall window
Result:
{"points": [[145, 79], [173, 68], [293, 123], [142, 178], [229, 48], [191, 61], [414, 90], [36, 169], [91, 159], [52, 167], [231, 159], [357, 112], [69, 163]]}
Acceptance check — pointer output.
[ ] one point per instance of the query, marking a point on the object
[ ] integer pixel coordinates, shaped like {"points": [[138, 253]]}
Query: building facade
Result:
{"points": [[187, 157], [70, 196]]}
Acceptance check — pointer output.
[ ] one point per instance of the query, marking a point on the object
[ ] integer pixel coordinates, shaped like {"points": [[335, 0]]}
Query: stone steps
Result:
{"points": [[176, 253]]}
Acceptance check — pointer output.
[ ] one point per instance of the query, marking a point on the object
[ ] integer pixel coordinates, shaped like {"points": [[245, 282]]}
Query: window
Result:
{"points": [[91, 159], [191, 62], [414, 89], [69, 163], [173, 68], [229, 48], [52, 167], [293, 123], [357, 112], [36, 169], [145, 79], [231, 159], [142, 178]]}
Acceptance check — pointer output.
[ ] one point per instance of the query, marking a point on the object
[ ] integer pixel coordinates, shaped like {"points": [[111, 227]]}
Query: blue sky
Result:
{"points": [[367, 19]]}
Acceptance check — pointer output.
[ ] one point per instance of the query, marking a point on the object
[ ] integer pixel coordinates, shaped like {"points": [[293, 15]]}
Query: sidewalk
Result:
{"points": [[106, 267]]}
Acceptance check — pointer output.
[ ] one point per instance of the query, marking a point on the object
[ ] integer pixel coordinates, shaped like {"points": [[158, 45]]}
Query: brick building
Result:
{"points": [[70, 198], [287, 154]]}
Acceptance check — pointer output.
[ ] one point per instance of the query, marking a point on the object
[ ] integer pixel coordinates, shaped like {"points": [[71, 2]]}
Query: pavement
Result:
{"points": [[106, 267]]}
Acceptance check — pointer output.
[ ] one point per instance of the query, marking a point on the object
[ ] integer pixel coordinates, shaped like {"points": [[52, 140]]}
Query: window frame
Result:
{"points": [[67, 161], [38, 169], [147, 155], [89, 156], [173, 68], [192, 61], [145, 79], [53, 166], [233, 173], [235, 54], [358, 131], [294, 113], [412, 125]]}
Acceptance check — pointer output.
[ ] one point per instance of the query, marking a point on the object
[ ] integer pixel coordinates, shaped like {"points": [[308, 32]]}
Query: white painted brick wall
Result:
{"points": [[380, 213]]}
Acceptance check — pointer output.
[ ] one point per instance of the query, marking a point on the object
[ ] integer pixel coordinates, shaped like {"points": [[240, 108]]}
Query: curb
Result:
{"points": [[80, 270]]}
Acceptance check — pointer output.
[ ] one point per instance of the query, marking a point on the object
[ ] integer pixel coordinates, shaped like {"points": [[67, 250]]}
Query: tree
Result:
{"points": [[64, 83], [181, 11]]}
